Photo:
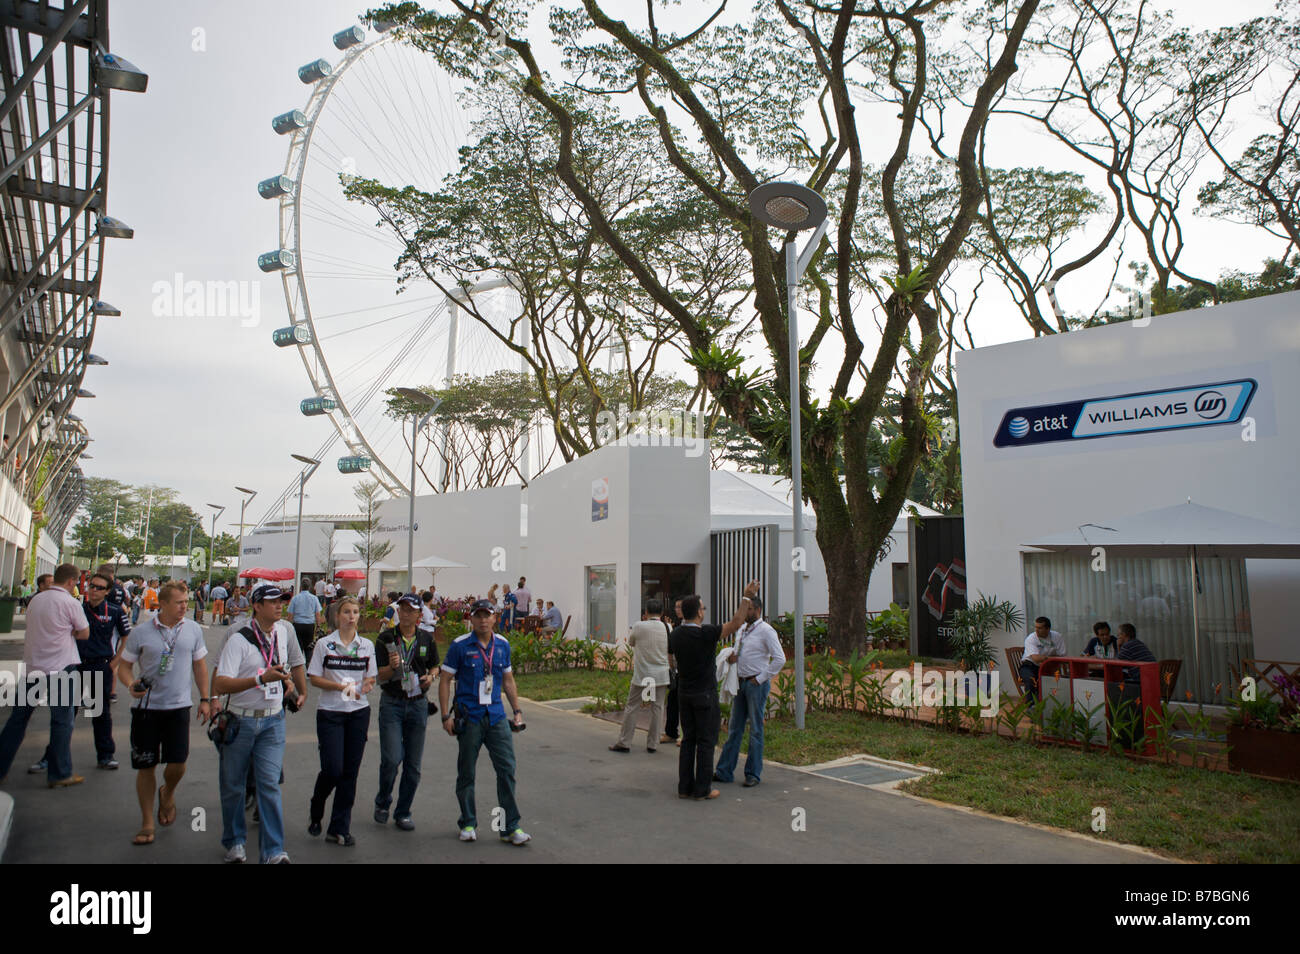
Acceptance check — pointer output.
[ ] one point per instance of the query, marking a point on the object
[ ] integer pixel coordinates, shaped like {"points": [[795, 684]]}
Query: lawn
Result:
{"points": [[566, 683], [1192, 814]]}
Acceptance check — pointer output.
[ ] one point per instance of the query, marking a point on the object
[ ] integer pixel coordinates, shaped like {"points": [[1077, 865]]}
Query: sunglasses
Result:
{"points": [[95, 586]]}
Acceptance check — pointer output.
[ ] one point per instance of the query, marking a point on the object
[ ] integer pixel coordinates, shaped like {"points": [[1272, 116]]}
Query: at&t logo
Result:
{"points": [[1018, 426]]}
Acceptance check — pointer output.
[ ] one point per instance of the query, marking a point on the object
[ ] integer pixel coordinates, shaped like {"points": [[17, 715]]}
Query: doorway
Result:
{"points": [[667, 582]]}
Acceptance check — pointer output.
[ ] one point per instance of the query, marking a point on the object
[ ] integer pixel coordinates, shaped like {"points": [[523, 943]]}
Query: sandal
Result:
{"points": [[143, 837], [171, 820]]}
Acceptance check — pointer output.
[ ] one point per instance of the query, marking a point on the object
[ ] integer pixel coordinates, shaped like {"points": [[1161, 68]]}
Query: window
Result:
{"points": [[602, 596]]}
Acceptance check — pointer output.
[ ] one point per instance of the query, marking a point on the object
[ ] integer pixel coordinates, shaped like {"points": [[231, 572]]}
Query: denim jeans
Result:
{"points": [[501, 750], [748, 707], [58, 754], [260, 742], [342, 738], [402, 723]]}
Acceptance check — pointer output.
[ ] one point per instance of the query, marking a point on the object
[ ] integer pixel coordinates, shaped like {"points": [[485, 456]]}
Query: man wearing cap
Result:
{"points": [[758, 657], [410, 658], [261, 670], [99, 654], [479, 661]]}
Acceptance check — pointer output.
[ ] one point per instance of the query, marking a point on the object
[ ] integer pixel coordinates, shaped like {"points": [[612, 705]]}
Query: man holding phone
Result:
{"points": [[479, 661]]}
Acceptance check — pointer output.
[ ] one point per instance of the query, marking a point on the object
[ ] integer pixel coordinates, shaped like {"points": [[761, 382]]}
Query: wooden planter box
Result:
{"points": [[1264, 752]]}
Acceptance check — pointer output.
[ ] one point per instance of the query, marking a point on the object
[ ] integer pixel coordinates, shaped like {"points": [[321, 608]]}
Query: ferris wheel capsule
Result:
{"points": [[276, 260], [293, 335], [274, 187], [315, 406], [353, 465], [314, 71], [349, 37], [291, 121]]}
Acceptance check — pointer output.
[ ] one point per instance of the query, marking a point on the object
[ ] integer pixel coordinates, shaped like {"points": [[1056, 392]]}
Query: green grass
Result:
{"points": [[1193, 814], [566, 683]]}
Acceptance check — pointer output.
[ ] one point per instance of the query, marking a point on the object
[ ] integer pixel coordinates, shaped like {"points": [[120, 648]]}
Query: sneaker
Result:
{"points": [[38, 768], [65, 782], [110, 764], [235, 855], [347, 841], [281, 859], [517, 837], [404, 822], [468, 834], [313, 829], [381, 815]]}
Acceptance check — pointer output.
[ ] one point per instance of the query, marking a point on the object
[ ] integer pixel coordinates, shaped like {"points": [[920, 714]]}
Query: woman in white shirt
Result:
{"points": [[343, 665]]}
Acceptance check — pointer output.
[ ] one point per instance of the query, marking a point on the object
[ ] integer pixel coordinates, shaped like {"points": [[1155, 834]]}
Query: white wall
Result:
{"points": [[479, 528], [1015, 494], [658, 513], [273, 549]]}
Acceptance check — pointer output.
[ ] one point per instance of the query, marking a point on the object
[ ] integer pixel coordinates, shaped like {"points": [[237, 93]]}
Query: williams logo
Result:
{"points": [[1223, 402]]}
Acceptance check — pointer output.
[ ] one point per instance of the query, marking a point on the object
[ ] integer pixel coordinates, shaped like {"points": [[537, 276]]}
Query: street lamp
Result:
{"points": [[312, 463], [793, 208], [239, 557], [172, 568], [212, 540], [428, 405]]}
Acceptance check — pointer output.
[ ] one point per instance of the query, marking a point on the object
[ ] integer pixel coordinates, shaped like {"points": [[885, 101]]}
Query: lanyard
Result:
{"points": [[408, 652], [487, 660], [264, 646], [98, 618], [176, 634]]}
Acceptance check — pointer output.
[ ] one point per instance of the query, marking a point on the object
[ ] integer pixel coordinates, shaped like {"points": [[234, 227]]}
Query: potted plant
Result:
{"points": [[1264, 732], [972, 627]]}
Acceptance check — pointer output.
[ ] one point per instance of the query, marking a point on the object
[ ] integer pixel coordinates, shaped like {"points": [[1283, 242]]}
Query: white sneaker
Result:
{"points": [[281, 859], [517, 837], [468, 834], [236, 855]]}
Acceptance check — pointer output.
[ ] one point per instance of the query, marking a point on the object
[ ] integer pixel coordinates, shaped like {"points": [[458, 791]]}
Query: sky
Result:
{"points": [[204, 403]]}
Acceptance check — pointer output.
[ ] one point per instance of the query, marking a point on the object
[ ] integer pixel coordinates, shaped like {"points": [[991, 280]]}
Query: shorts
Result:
{"points": [[159, 735], [218, 607]]}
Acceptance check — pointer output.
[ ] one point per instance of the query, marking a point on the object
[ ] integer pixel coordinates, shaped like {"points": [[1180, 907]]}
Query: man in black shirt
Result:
{"points": [[692, 648], [98, 656], [408, 663]]}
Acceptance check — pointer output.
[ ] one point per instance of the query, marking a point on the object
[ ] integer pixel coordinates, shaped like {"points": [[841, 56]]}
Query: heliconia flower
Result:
{"points": [[1189, 695], [1088, 696]]}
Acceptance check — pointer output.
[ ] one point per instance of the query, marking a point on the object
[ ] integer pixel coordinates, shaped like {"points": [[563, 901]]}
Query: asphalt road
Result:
{"points": [[581, 803]]}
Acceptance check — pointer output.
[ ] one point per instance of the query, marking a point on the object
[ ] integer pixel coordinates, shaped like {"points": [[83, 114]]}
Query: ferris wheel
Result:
{"points": [[387, 112]]}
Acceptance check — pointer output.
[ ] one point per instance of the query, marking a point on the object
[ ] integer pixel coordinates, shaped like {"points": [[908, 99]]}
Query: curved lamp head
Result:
{"points": [[788, 206]]}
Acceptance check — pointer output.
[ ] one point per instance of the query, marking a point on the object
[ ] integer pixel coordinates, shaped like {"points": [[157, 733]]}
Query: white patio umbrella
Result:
{"points": [[435, 563]]}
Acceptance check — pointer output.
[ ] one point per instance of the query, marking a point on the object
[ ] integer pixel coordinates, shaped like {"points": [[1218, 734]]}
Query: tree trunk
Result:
{"points": [[848, 573]]}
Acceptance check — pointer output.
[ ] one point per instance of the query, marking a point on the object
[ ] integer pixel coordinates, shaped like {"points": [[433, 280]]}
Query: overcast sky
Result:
{"points": [[202, 404]]}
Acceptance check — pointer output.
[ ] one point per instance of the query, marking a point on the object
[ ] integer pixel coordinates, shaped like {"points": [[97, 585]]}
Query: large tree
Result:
{"points": [[726, 105]]}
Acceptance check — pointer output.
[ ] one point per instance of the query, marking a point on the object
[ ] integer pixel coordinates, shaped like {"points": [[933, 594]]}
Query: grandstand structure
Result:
{"points": [[59, 74]]}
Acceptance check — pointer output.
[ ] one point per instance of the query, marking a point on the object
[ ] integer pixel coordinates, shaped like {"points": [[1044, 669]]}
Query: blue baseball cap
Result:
{"points": [[484, 606], [266, 591], [408, 599]]}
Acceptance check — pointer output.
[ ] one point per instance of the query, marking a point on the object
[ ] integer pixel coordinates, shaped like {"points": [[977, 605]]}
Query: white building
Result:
{"points": [[1072, 431]]}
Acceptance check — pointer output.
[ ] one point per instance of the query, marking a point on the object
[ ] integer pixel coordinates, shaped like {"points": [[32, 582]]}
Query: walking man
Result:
{"points": [[694, 645], [305, 611], [649, 678], [99, 654], [479, 661], [56, 622], [758, 657], [218, 595], [169, 651], [410, 658], [671, 716], [262, 670]]}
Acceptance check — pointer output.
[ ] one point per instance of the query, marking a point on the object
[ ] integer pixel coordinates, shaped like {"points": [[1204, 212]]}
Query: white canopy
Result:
{"points": [[377, 567], [1171, 531], [436, 562]]}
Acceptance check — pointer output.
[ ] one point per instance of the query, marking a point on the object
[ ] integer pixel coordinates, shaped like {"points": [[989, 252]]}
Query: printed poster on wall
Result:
{"points": [[599, 499]]}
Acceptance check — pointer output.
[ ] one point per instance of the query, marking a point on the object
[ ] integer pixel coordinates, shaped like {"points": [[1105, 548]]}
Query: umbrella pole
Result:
{"points": [[1196, 627]]}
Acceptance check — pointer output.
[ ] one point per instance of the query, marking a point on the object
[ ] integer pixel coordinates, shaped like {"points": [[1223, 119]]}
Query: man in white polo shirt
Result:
{"points": [[170, 652], [55, 620], [1041, 644], [261, 669]]}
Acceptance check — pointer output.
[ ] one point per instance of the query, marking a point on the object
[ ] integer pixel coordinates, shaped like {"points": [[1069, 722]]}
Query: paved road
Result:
{"points": [[581, 802]]}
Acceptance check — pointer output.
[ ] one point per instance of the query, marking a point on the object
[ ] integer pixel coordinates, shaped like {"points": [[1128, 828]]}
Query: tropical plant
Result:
{"points": [[972, 626]]}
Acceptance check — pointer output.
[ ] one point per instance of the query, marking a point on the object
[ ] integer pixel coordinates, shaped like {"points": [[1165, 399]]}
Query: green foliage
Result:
{"points": [[972, 627]]}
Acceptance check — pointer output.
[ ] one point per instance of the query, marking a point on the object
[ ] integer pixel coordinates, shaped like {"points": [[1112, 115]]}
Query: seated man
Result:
{"points": [[1102, 645], [1132, 648], [1041, 644], [552, 619]]}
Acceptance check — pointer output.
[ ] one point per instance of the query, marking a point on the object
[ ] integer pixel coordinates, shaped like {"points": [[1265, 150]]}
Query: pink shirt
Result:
{"points": [[52, 617]]}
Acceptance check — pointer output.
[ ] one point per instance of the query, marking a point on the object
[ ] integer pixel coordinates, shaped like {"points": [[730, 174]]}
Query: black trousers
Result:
{"points": [[1029, 676], [102, 723], [306, 634], [670, 716], [342, 737], [701, 719]]}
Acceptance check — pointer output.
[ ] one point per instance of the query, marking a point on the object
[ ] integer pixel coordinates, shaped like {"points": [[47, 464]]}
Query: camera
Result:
{"points": [[143, 684], [292, 701]]}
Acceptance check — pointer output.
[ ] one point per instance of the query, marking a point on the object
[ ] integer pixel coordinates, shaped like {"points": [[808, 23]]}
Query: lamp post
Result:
{"points": [[218, 510], [189, 554], [172, 567], [312, 463], [243, 504], [428, 405], [792, 208]]}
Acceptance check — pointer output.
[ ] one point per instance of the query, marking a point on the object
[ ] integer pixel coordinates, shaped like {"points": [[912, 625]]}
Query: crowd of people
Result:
{"points": [[262, 674]]}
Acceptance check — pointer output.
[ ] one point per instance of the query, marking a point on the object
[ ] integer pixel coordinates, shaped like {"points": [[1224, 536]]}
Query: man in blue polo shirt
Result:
{"points": [[480, 663]]}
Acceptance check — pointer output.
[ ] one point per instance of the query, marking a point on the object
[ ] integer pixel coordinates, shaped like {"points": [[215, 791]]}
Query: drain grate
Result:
{"points": [[867, 773]]}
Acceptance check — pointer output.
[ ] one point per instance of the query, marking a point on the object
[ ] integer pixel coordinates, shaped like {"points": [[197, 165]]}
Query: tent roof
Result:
{"points": [[742, 499], [1170, 530]]}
